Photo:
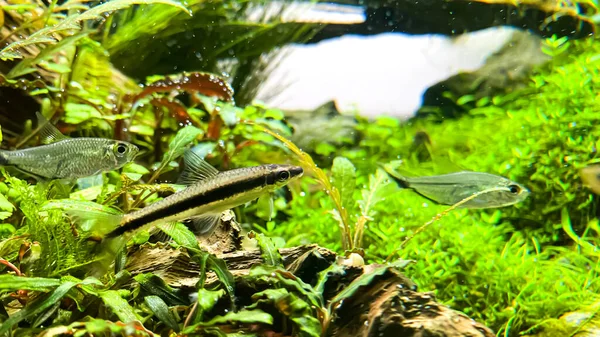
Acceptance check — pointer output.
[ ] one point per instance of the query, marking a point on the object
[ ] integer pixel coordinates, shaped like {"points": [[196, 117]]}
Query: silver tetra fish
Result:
{"points": [[69, 158], [449, 189]]}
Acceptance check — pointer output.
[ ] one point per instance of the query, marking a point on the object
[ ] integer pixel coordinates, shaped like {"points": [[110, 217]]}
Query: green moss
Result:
{"points": [[512, 267]]}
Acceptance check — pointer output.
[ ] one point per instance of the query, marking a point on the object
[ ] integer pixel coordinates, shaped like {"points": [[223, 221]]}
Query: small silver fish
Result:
{"points": [[449, 189], [209, 193], [69, 158], [590, 175]]}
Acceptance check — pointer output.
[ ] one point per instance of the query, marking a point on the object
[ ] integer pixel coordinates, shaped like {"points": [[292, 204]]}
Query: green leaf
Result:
{"points": [[243, 317], [333, 269], [378, 189], [37, 306], [181, 234], [178, 145], [364, 280], [56, 67], [344, 179], [161, 310], [154, 285], [207, 299], [270, 254], [14, 283], [26, 66], [135, 171], [296, 309], [119, 306], [76, 113], [275, 276], [6, 208], [72, 23], [219, 267]]}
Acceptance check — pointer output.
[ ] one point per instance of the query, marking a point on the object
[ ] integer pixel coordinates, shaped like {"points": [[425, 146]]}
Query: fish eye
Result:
{"points": [[121, 148], [283, 176], [514, 189]]}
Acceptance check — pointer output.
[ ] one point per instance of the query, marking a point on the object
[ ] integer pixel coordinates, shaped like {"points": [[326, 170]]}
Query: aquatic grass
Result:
{"points": [[307, 163], [73, 23]]}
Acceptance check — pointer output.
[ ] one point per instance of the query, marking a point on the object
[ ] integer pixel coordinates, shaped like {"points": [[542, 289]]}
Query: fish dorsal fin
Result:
{"points": [[48, 132], [196, 169], [203, 224]]}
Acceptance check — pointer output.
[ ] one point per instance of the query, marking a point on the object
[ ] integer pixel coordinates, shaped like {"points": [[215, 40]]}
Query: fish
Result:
{"points": [[449, 189], [590, 175], [63, 157], [209, 192]]}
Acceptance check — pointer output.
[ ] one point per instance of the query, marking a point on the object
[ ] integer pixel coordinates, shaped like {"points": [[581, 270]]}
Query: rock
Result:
{"points": [[505, 70]]}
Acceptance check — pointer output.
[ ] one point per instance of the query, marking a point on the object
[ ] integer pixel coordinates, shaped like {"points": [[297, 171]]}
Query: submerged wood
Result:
{"points": [[390, 305], [454, 17]]}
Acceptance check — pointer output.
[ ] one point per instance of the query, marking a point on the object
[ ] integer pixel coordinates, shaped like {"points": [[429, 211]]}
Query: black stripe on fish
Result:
{"points": [[220, 193]]}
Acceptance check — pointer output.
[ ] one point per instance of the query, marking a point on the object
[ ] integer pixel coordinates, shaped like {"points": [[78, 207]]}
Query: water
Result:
{"points": [[353, 92]]}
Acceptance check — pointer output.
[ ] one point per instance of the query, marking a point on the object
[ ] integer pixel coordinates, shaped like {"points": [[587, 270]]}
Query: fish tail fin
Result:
{"points": [[4, 158], [107, 253], [96, 219]]}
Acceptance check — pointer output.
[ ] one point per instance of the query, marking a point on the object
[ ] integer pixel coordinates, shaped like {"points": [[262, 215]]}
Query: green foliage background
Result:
{"points": [[515, 269]]}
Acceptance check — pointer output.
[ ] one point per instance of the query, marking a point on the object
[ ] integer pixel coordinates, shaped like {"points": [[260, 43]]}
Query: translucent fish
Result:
{"points": [[590, 176], [449, 189], [69, 158]]}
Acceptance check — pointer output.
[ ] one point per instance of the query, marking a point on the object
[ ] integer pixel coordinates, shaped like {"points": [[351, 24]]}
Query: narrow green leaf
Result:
{"points": [[333, 269], [14, 283], [37, 307], [119, 306], [270, 254], [285, 279], [378, 185], [154, 285], [301, 313], [26, 66], [243, 317], [72, 23], [364, 280], [219, 267], [344, 179], [161, 310], [178, 145]]}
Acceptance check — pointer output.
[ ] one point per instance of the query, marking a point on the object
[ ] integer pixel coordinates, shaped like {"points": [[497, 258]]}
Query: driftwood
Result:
{"points": [[454, 17], [390, 305]]}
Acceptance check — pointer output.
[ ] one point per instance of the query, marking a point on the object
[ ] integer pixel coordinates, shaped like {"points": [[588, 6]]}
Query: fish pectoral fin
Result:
{"points": [[265, 203], [203, 224], [196, 169], [48, 133]]}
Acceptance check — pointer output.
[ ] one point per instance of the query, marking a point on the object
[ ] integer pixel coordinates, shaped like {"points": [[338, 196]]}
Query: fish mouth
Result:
{"points": [[296, 171]]}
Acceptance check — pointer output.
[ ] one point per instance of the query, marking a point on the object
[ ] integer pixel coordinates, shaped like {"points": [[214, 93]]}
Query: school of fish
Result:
{"points": [[210, 192]]}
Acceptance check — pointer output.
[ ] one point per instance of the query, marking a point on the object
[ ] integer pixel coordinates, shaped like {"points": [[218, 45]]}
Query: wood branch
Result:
{"points": [[390, 306], [454, 17], [176, 268]]}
